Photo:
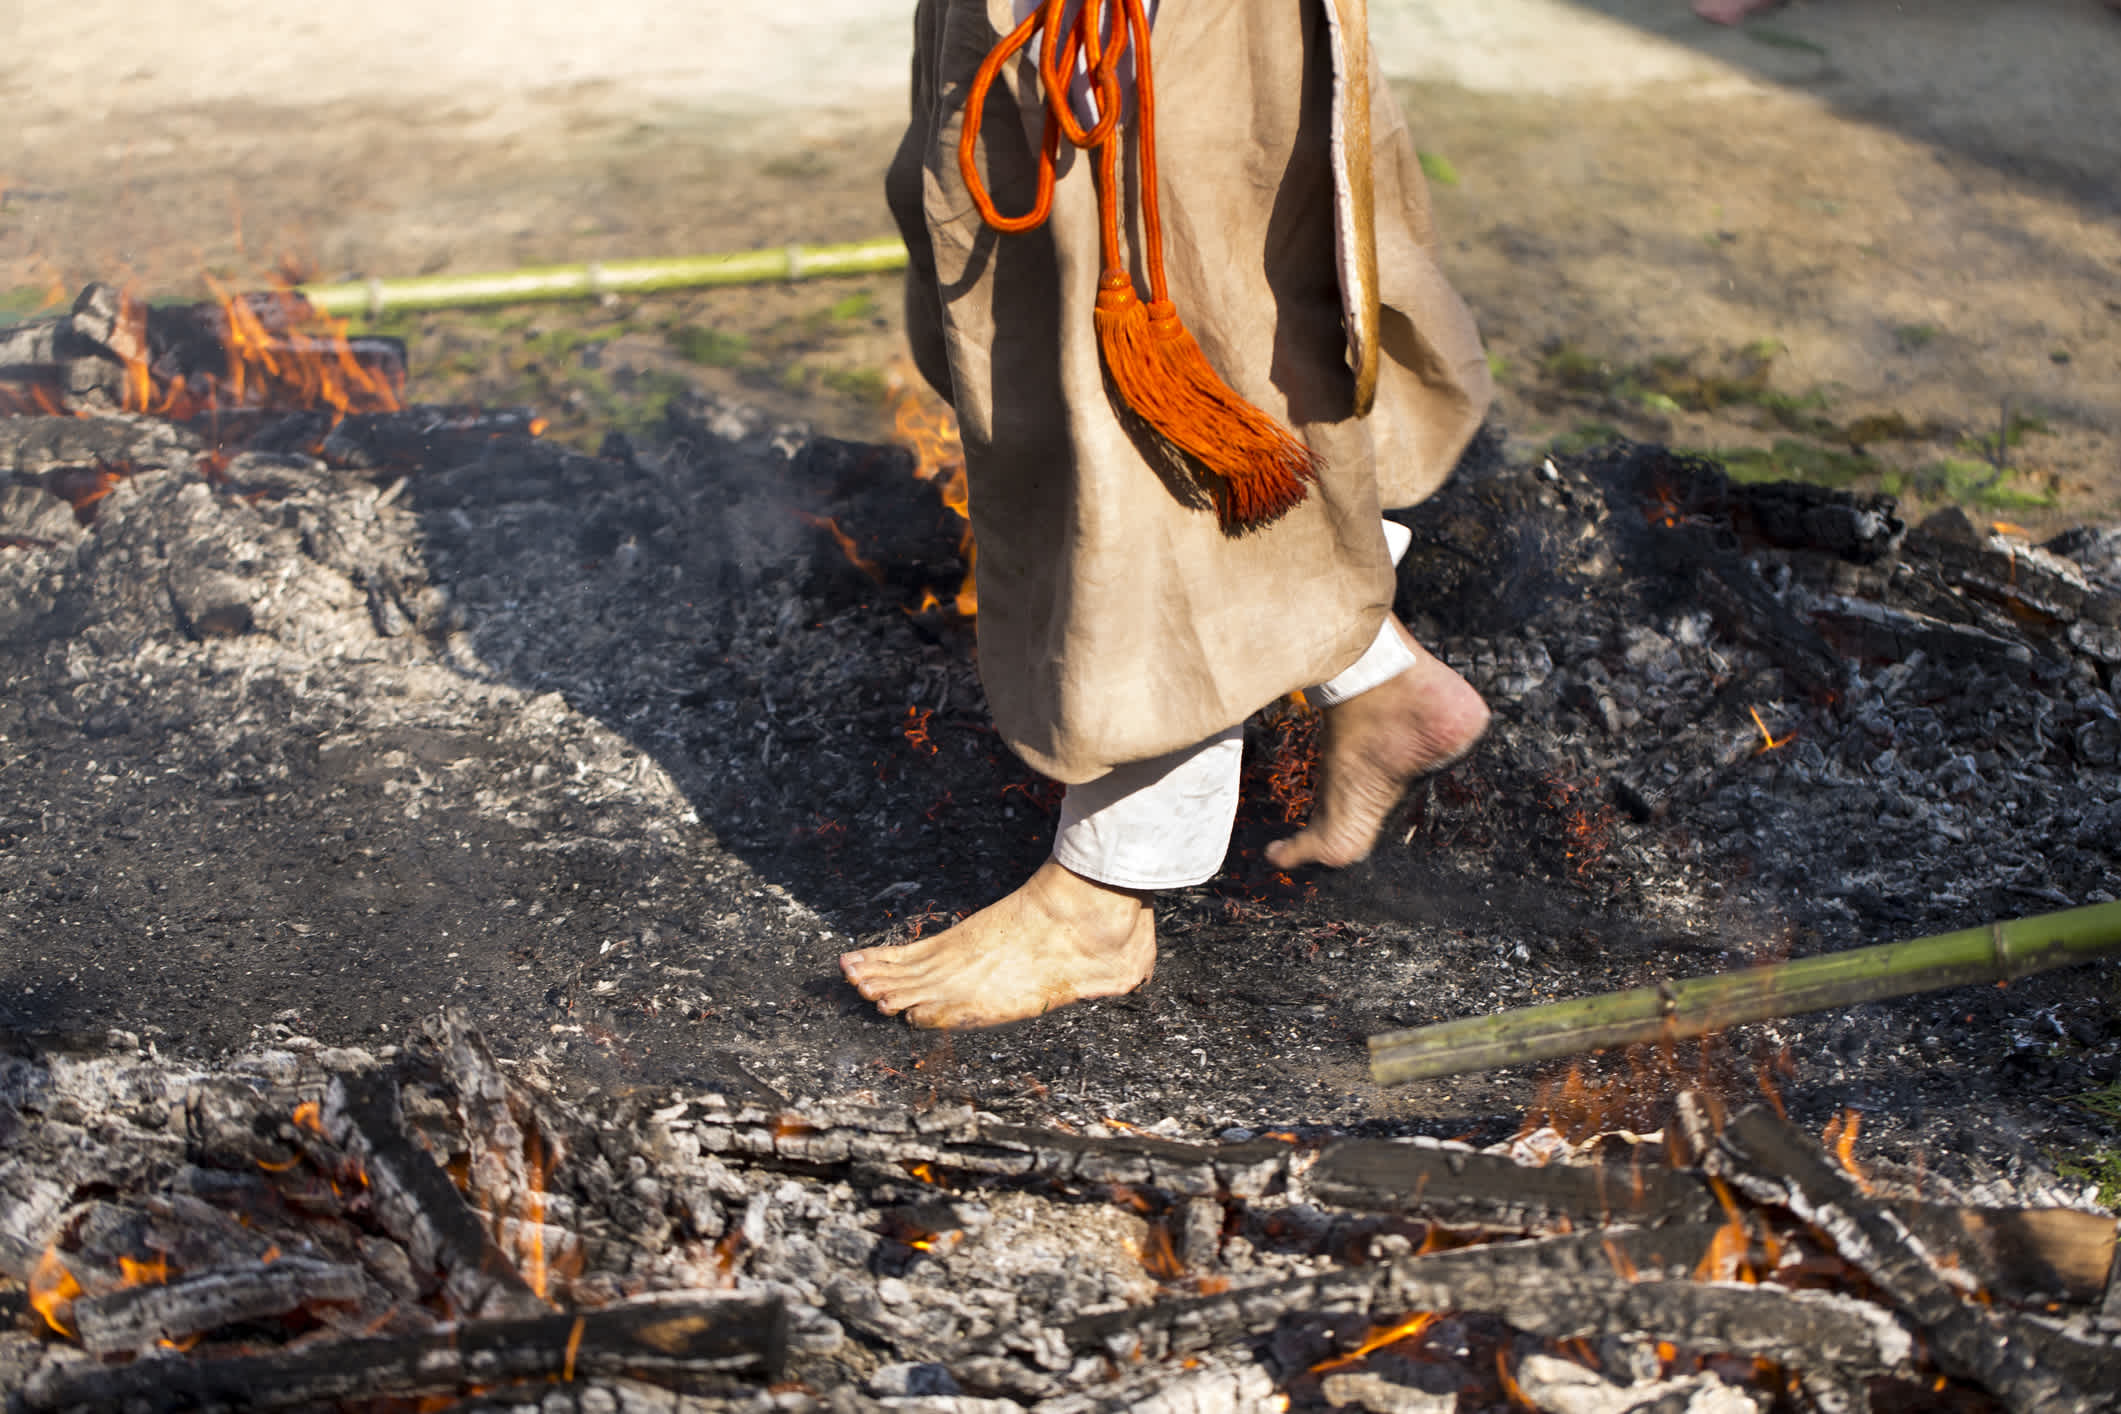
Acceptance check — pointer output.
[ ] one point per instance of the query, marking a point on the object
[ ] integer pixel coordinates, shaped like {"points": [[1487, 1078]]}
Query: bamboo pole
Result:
{"points": [[584, 281], [1694, 1006]]}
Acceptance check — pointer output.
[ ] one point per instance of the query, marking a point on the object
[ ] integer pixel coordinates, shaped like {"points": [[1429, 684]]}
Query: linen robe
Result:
{"points": [[1117, 619]]}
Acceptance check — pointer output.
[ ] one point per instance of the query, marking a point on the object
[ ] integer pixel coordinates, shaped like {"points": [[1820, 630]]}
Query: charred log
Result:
{"points": [[700, 1346], [2028, 1366], [417, 1204]]}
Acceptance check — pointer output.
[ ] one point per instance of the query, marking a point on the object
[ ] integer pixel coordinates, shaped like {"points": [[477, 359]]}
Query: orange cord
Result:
{"points": [[1156, 364]]}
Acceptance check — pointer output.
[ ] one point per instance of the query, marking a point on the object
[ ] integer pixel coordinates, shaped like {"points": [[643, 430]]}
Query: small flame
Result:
{"points": [[1159, 1256], [1510, 1388], [154, 1273], [846, 543], [309, 1115], [52, 1290], [537, 1270], [1768, 737], [1729, 1251], [928, 428], [1840, 1136], [921, 1171], [1378, 1338]]}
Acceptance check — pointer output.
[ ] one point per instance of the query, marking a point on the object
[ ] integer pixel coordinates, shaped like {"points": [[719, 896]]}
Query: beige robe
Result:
{"points": [[1117, 622]]}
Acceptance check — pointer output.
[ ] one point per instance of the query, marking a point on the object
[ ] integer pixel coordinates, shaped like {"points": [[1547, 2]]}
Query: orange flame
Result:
{"points": [[279, 352], [1378, 1338], [920, 1170], [1510, 1389], [537, 1273], [154, 1273], [52, 1290], [1728, 1257], [928, 428], [846, 543], [1159, 1257], [1768, 737], [1840, 1136], [309, 1115]]}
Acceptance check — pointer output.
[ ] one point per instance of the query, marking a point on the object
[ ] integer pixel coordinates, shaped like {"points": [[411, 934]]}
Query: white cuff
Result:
{"points": [[1157, 824]]}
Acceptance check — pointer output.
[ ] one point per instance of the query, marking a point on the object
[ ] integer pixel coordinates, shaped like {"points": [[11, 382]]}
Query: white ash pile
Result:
{"points": [[325, 1228]]}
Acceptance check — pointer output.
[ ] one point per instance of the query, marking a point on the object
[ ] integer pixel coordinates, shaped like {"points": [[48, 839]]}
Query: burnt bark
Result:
{"points": [[136, 1318], [417, 1204], [2028, 1366], [700, 1346], [1562, 1287]]}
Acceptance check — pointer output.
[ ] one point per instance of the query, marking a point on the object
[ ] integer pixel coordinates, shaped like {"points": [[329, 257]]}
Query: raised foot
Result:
{"points": [[1060, 938], [1373, 746]]}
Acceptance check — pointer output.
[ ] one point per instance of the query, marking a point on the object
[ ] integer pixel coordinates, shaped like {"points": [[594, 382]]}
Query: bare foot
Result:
{"points": [[1060, 938], [1731, 12], [1375, 744]]}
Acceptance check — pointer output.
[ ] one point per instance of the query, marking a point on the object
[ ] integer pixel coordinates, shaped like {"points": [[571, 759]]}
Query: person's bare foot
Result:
{"points": [[1731, 12], [1374, 745], [1060, 938]]}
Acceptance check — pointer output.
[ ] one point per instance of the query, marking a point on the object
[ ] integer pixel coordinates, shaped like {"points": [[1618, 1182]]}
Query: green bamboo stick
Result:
{"points": [[625, 277], [1694, 1006]]}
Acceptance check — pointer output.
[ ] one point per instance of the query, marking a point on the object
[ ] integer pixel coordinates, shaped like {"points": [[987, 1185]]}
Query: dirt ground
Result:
{"points": [[1854, 241]]}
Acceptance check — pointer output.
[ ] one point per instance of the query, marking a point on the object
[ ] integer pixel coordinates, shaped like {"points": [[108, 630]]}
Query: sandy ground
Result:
{"points": [[1863, 215]]}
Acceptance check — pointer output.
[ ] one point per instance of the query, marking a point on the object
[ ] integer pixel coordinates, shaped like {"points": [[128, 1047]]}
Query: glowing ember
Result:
{"points": [[52, 1290], [928, 429], [309, 1115], [1292, 774], [1768, 737], [537, 1272]]}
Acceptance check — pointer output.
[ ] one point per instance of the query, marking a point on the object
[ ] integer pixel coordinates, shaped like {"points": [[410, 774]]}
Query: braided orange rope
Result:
{"points": [[1260, 467]]}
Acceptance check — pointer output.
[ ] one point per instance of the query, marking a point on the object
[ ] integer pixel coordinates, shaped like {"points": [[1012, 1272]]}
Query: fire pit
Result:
{"points": [[319, 721]]}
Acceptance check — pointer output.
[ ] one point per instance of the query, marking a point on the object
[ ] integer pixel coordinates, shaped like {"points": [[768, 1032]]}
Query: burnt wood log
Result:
{"points": [[1459, 1187], [876, 1144], [700, 1346], [32, 446], [2030, 1367], [136, 1318], [1565, 1288], [2029, 1256], [417, 1204]]}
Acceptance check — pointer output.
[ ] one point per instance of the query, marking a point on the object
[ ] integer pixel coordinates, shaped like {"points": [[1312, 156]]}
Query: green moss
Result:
{"points": [[1979, 483], [1438, 169], [859, 305], [713, 348], [1583, 437], [1792, 460], [867, 385], [23, 303], [1498, 366], [1915, 336], [1584, 372], [2100, 1166]]}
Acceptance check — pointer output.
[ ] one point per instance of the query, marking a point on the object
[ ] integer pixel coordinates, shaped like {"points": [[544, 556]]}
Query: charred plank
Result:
{"points": [[699, 1346]]}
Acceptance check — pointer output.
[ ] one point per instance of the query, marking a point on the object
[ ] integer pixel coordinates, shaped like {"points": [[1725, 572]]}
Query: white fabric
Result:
{"points": [[1165, 823], [1157, 824]]}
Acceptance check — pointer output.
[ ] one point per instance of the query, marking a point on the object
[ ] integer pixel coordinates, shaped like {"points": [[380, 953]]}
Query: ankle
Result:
{"points": [[1067, 897]]}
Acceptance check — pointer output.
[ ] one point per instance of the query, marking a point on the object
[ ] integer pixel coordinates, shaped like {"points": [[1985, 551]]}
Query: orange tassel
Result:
{"points": [[1258, 469], [1160, 370]]}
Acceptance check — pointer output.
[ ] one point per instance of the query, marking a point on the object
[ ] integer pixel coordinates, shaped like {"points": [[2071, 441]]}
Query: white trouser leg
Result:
{"points": [[1165, 823]]}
